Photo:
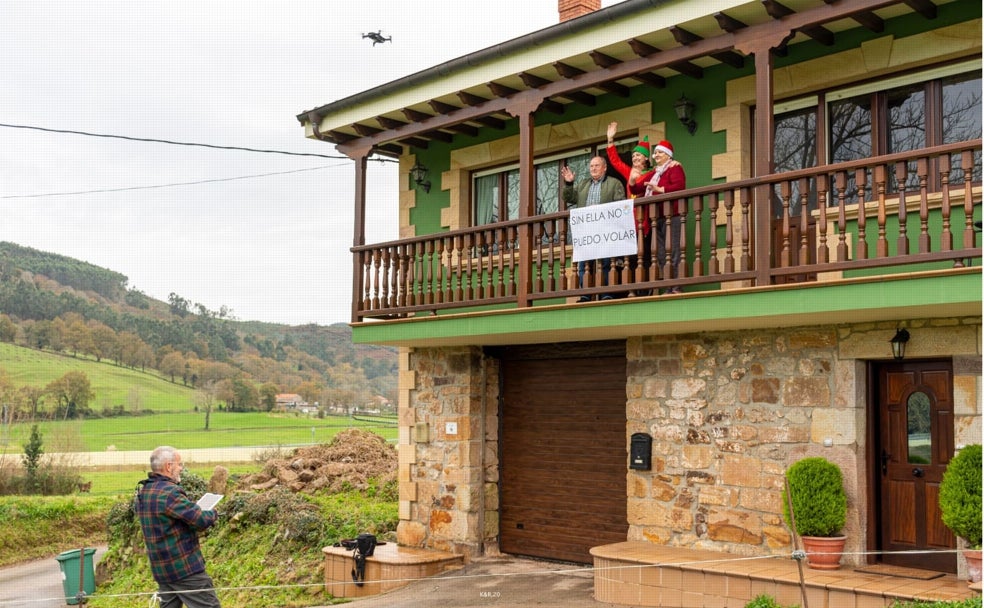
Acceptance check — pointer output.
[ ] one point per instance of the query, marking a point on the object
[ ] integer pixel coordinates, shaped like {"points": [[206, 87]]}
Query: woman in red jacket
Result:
{"points": [[640, 165], [667, 175]]}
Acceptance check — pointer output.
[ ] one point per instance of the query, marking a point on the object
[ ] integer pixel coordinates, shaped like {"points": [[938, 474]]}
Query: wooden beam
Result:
{"points": [[438, 135], [463, 129], [687, 68], [924, 7], [606, 61], [442, 108], [729, 23], [819, 33], [569, 71], [868, 19], [535, 82], [688, 38], [746, 41], [415, 116], [390, 123], [366, 131]]}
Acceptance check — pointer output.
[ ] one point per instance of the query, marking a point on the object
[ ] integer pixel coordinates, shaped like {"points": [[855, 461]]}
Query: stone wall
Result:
{"points": [[728, 412], [443, 450]]}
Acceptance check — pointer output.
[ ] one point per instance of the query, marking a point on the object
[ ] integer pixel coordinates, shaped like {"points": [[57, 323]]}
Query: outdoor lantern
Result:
{"points": [[898, 343], [685, 113], [418, 173]]}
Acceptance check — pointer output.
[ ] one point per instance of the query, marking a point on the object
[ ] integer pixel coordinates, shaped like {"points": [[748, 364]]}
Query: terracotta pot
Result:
{"points": [[973, 557], [824, 552]]}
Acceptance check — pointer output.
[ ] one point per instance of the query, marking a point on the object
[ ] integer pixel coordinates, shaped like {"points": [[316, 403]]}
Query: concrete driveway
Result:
{"points": [[496, 581]]}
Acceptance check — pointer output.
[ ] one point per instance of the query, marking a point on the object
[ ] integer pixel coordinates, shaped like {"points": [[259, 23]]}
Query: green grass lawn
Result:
{"points": [[113, 385], [187, 430]]}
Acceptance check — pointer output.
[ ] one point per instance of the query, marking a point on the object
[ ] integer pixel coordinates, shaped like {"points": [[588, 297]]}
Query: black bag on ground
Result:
{"points": [[365, 546]]}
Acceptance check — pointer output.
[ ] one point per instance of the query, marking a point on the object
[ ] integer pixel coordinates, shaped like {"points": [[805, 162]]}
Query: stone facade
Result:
{"points": [[728, 412]]}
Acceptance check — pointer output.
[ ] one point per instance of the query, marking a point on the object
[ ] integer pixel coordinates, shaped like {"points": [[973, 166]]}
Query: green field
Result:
{"points": [[174, 421], [113, 385]]}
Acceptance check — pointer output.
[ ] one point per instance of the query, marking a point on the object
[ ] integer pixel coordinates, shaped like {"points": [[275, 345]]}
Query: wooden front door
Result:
{"points": [[563, 453], [915, 402]]}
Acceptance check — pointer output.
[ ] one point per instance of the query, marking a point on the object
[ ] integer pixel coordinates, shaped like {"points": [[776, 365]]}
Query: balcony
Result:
{"points": [[826, 224]]}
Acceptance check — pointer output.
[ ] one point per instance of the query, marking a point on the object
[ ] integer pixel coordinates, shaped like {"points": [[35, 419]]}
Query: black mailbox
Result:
{"points": [[641, 452]]}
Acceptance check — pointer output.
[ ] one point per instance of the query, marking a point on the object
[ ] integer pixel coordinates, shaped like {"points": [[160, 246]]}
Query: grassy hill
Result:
{"points": [[174, 421], [113, 385]]}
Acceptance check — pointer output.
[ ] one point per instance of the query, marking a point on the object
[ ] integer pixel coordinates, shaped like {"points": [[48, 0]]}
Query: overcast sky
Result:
{"points": [[226, 73]]}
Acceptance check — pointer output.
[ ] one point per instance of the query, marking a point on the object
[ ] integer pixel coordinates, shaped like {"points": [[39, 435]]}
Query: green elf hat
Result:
{"points": [[643, 147]]}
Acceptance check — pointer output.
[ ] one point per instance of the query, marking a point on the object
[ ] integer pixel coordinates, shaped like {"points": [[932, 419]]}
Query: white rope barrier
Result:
{"points": [[154, 599]]}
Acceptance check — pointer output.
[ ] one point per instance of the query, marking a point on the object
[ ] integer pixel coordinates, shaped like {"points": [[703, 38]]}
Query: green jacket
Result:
{"points": [[575, 195]]}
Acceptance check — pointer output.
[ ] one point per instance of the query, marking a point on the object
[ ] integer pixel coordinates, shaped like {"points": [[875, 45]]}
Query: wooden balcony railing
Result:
{"points": [[841, 218]]}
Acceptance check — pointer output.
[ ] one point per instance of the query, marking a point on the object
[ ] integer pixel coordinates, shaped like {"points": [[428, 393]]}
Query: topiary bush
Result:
{"points": [[816, 488], [960, 495]]}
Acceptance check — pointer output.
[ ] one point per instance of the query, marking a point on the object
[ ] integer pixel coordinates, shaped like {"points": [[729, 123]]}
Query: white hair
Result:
{"points": [[160, 457]]}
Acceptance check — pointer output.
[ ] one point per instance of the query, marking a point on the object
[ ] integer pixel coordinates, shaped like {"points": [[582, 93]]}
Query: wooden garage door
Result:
{"points": [[563, 456]]}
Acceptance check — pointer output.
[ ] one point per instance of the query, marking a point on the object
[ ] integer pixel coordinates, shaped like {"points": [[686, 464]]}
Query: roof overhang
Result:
{"points": [[577, 60]]}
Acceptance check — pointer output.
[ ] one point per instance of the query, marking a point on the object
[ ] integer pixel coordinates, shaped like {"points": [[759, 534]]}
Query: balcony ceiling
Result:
{"points": [[450, 97]]}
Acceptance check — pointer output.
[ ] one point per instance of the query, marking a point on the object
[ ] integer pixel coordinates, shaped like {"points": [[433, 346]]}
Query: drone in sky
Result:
{"points": [[377, 37]]}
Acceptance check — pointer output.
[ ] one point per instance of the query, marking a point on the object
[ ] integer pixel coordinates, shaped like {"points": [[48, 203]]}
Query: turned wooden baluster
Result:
{"points": [[881, 179], [861, 179], [551, 233], [746, 227], [804, 207], [655, 272], [366, 261], [841, 216], [946, 236], [785, 194], [698, 242], [729, 231], [823, 253], [713, 264], [922, 169], [384, 298], [967, 164], [901, 175], [537, 258]]}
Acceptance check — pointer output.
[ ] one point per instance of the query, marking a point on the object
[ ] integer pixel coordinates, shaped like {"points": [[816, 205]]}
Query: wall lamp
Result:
{"points": [[898, 342], [685, 113], [418, 173]]}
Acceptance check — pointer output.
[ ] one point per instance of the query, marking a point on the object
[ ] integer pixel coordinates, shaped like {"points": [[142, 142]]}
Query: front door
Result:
{"points": [[915, 401]]}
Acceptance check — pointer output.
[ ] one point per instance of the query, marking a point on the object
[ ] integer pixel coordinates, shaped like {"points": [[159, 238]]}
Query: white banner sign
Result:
{"points": [[603, 231]]}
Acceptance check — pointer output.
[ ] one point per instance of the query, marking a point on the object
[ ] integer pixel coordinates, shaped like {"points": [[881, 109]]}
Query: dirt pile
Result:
{"points": [[348, 462]]}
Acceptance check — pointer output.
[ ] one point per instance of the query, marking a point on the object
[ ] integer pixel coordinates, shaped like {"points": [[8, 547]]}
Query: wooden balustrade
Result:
{"points": [[831, 219]]}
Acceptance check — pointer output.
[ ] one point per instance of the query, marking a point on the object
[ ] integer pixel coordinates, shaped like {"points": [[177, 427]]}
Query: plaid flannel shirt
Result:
{"points": [[170, 522]]}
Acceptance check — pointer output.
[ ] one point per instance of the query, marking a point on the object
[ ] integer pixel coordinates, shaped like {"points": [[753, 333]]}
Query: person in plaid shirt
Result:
{"points": [[170, 522]]}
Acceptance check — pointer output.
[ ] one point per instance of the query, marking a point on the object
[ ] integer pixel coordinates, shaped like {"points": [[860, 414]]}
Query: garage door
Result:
{"points": [[563, 455]]}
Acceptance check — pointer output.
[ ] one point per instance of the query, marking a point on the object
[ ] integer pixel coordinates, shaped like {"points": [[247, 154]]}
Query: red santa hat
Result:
{"points": [[664, 146]]}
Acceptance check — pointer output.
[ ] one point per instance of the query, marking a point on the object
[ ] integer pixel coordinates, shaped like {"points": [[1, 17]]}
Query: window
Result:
{"points": [[795, 147], [900, 116], [495, 193]]}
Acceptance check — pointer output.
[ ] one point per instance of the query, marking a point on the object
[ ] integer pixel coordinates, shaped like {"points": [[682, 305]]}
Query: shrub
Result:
{"points": [[763, 601], [816, 488], [960, 495], [970, 602]]}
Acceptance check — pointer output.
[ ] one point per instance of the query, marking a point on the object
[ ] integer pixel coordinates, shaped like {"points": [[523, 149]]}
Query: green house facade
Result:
{"points": [[832, 152]]}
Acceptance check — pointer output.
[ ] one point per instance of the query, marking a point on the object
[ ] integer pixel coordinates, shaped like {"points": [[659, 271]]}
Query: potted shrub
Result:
{"points": [[815, 488], [960, 504]]}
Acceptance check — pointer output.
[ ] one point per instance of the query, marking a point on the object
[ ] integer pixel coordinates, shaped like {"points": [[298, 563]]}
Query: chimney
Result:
{"points": [[571, 9]]}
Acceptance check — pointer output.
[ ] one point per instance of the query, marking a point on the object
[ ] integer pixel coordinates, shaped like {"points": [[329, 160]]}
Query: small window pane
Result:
{"points": [[918, 424], [962, 117], [850, 129], [795, 148], [486, 199], [547, 189], [512, 194]]}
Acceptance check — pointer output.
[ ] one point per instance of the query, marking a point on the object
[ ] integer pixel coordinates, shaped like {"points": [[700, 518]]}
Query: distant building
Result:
{"points": [[290, 401]]}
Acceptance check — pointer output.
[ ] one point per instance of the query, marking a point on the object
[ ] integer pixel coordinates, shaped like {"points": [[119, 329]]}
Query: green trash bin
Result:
{"points": [[70, 571]]}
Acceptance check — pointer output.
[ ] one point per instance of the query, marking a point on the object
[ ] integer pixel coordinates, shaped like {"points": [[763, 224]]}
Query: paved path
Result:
{"points": [[36, 584]]}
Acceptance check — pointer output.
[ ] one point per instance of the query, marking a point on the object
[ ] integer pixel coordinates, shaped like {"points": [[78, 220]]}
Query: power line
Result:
{"points": [[170, 142], [194, 183]]}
